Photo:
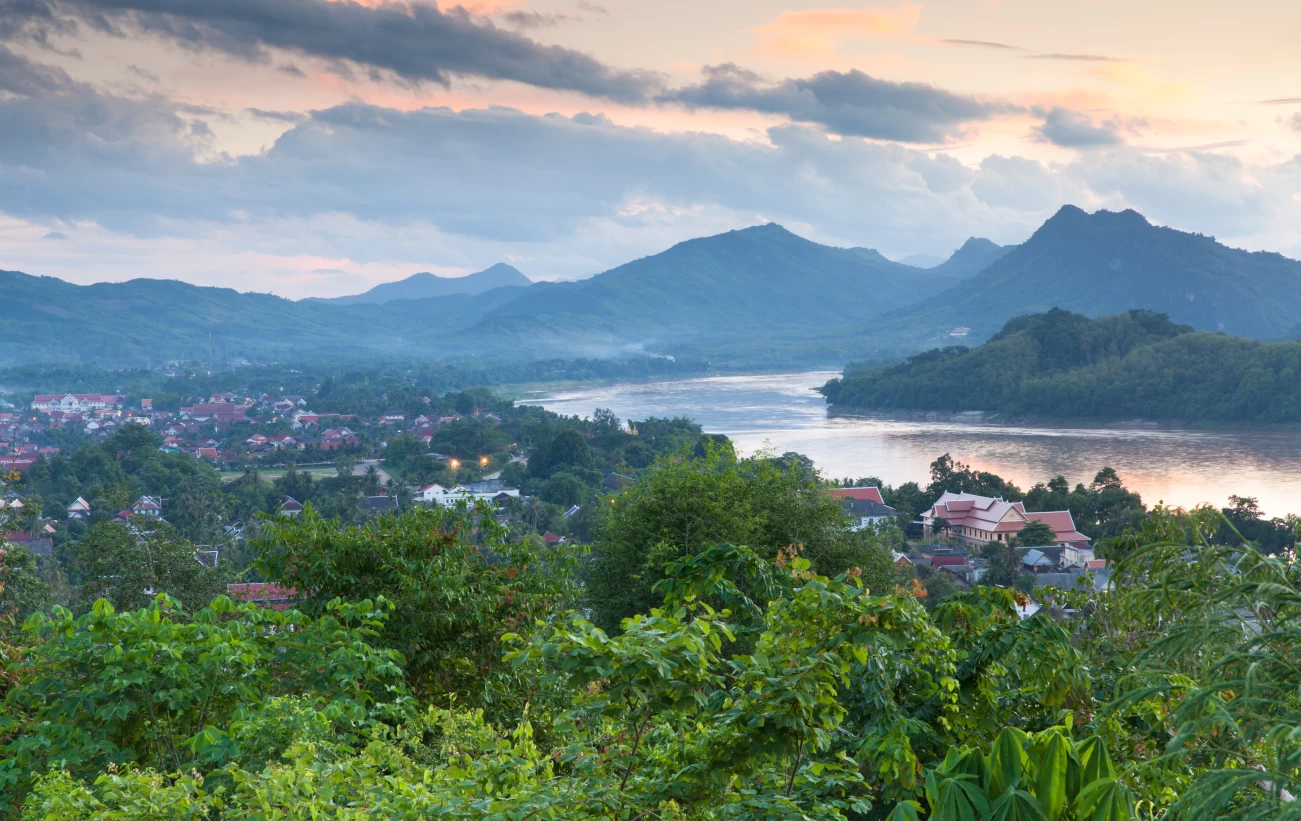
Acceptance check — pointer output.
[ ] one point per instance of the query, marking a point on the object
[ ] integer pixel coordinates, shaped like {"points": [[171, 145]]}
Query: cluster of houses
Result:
{"points": [[969, 522], [201, 429]]}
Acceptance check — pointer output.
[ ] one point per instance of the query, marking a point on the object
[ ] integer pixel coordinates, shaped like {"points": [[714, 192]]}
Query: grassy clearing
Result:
{"points": [[271, 474]]}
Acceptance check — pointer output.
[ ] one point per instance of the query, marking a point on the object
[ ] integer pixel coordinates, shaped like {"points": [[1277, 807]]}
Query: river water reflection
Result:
{"points": [[1181, 467]]}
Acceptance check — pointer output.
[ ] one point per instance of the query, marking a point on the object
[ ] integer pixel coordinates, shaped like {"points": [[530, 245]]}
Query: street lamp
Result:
{"points": [[455, 464], [483, 461]]}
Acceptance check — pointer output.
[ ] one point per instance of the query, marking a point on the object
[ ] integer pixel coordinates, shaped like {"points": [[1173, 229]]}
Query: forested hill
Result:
{"points": [[1063, 365], [728, 286], [1106, 263], [43, 319]]}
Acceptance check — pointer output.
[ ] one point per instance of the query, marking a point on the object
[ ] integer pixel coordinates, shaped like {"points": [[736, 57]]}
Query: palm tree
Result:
{"points": [[399, 488], [535, 509], [370, 481]]}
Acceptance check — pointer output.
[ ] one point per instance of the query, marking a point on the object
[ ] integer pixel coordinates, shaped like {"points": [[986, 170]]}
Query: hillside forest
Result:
{"points": [[1062, 365]]}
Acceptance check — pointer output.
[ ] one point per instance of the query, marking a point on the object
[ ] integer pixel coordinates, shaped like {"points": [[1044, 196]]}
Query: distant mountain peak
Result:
{"points": [[767, 229], [977, 245], [425, 284]]}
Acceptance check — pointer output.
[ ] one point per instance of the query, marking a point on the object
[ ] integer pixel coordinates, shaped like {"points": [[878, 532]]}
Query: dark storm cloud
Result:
{"points": [[1070, 129], [416, 42], [848, 103]]}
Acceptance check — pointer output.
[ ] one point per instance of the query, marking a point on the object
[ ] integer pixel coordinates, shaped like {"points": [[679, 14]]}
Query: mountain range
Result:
{"points": [[425, 285], [1111, 262], [759, 295]]}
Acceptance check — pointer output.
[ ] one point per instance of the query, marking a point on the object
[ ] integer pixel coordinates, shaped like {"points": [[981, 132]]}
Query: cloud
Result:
{"points": [[1281, 101], [1295, 122], [849, 103], [382, 192], [56, 235], [1084, 58], [522, 20], [592, 8], [144, 74], [1071, 129], [19, 75], [982, 44], [818, 32], [415, 42], [278, 116]]}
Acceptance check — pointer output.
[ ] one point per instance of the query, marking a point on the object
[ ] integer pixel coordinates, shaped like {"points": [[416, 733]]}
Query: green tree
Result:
{"points": [[129, 563], [456, 586], [687, 504], [22, 591], [1036, 534], [569, 449], [160, 687], [1004, 564]]}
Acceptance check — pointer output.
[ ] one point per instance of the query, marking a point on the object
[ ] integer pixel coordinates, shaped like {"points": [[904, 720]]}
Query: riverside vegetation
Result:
{"points": [[1060, 364], [726, 649]]}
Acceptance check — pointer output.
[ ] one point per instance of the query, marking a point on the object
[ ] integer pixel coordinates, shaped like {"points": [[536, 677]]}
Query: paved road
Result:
{"points": [[360, 470]]}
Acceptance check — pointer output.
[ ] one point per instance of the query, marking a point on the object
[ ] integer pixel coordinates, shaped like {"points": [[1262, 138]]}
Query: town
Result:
{"points": [[283, 453]]}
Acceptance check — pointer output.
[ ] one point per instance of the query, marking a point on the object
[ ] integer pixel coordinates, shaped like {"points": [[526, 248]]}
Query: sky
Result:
{"points": [[317, 148]]}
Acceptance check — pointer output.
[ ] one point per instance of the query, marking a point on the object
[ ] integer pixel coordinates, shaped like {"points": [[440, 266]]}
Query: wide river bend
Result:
{"points": [[1181, 467]]}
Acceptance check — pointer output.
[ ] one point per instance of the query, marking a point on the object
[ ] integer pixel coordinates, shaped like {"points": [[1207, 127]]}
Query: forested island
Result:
{"points": [[1062, 365]]}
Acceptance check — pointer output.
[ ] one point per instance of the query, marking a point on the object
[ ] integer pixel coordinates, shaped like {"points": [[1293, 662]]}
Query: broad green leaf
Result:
{"points": [[904, 811], [955, 798], [1105, 799], [1007, 761], [1016, 805], [1052, 762], [1095, 762]]}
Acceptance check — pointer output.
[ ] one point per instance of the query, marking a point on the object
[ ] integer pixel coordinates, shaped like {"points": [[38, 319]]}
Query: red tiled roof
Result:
{"points": [[862, 494], [267, 594], [1062, 524], [947, 561], [977, 512]]}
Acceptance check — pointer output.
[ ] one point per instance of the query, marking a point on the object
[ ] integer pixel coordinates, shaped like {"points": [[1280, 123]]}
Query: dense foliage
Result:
{"points": [[1062, 365]]}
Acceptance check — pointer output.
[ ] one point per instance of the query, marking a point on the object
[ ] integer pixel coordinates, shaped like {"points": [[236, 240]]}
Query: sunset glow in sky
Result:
{"points": [[315, 148]]}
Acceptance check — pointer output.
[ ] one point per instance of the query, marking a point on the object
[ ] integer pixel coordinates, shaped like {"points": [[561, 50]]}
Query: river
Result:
{"points": [[1180, 467]]}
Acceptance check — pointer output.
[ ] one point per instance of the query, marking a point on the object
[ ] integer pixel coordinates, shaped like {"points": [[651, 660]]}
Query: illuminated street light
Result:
{"points": [[483, 461], [455, 463]]}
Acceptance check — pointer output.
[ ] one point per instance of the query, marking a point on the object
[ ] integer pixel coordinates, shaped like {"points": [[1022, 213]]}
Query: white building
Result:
{"points": [[72, 402], [436, 494]]}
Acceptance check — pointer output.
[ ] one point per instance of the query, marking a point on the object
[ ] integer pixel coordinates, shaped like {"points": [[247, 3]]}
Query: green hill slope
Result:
{"points": [[1064, 365], [1108, 263]]}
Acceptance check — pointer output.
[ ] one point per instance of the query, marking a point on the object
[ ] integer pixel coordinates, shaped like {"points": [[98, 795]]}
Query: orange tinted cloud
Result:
{"points": [[819, 32]]}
